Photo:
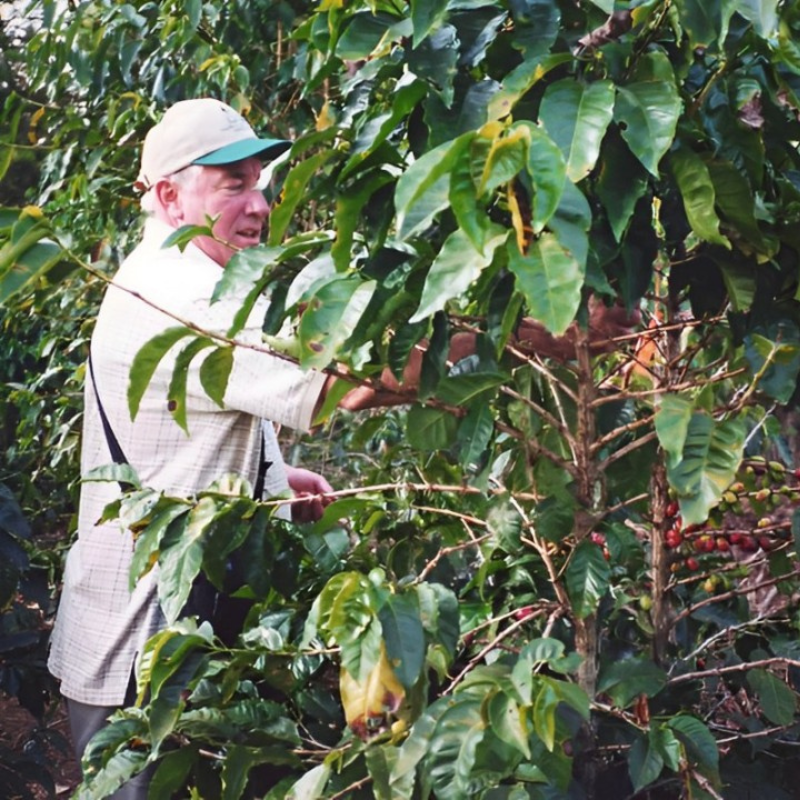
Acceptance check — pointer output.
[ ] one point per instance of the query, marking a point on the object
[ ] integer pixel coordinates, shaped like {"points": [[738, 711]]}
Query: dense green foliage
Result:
{"points": [[555, 578]]}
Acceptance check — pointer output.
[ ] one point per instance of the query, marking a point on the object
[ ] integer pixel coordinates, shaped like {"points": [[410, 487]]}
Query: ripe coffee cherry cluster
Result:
{"points": [[746, 518]]}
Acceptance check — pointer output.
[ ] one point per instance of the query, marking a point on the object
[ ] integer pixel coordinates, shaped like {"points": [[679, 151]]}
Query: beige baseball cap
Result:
{"points": [[202, 131]]}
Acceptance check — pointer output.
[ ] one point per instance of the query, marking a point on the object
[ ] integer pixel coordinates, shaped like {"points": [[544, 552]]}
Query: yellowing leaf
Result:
{"points": [[325, 118], [517, 221], [35, 117], [369, 706], [32, 211]]}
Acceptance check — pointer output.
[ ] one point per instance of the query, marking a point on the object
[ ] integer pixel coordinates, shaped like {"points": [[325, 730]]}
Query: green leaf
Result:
{"points": [[645, 761], [776, 363], [447, 766], [506, 159], [328, 321], [647, 110], [474, 434], [246, 268], [425, 16], [621, 183], [115, 473], [665, 741], [180, 560], [439, 615], [147, 360], [706, 23], [465, 200], [454, 269], [508, 721], [28, 267], [215, 372], [293, 193], [740, 283], [423, 189], [736, 200], [548, 172], [176, 394], [403, 636], [550, 278], [587, 578], [700, 744], [521, 79], [461, 390], [350, 206], [118, 770], [625, 680], [431, 428], [763, 14], [239, 760], [697, 190], [711, 455], [311, 785], [408, 91], [148, 541], [778, 701], [672, 425], [363, 33], [172, 772], [576, 116], [544, 715], [182, 236]]}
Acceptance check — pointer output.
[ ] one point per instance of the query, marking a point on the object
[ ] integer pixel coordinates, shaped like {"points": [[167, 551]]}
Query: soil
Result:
{"points": [[18, 726]]}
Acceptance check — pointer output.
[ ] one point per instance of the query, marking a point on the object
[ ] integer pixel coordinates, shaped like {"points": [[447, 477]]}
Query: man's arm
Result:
{"points": [[606, 323]]}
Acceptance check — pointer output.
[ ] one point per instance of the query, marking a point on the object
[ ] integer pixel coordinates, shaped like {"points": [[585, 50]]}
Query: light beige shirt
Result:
{"points": [[100, 625]]}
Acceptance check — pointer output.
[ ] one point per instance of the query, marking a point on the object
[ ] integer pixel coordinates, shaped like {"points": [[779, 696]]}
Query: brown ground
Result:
{"points": [[16, 726]]}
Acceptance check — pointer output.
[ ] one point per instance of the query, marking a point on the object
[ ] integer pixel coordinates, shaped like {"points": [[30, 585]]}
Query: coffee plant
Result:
{"points": [[568, 568]]}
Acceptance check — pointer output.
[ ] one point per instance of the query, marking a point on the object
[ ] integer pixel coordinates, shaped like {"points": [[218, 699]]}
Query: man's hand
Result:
{"points": [[610, 322], [307, 487], [606, 323]]}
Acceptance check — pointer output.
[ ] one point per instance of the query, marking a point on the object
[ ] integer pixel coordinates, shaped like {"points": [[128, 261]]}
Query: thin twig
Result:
{"points": [[734, 593], [718, 672]]}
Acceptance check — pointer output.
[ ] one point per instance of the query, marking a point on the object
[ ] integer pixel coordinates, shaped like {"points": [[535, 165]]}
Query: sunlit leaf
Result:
{"points": [[711, 455], [576, 117], [551, 279], [423, 189], [454, 269], [647, 110]]}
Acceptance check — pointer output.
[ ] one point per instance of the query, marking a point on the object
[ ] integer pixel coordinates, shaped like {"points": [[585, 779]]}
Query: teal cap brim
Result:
{"points": [[247, 148]]}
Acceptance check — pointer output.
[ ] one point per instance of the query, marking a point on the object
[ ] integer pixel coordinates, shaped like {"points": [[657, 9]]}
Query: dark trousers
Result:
{"points": [[84, 722]]}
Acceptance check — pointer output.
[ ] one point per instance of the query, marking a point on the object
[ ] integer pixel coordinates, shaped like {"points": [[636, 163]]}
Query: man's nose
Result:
{"points": [[257, 204]]}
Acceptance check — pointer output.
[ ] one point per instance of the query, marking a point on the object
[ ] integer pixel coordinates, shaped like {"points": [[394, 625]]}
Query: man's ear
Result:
{"points": [[168, 199]]}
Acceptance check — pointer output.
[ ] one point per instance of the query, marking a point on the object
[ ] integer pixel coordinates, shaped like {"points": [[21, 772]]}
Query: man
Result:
{"points": [[203, 159]]}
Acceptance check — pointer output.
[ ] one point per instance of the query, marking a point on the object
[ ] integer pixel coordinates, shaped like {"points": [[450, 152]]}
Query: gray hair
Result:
{"points": [[184, 178]]}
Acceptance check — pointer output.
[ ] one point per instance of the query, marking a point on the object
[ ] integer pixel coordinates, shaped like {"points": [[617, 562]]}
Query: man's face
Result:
{"points": [[230, 194]]}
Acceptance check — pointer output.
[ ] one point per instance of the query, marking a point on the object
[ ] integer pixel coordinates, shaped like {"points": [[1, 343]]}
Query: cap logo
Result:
{"points": [[233, 121]]}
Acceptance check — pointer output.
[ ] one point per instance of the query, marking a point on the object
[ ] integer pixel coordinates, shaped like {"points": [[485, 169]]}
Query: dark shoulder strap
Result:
{"points": [[263, 466], [113, 445], [118, 455]]}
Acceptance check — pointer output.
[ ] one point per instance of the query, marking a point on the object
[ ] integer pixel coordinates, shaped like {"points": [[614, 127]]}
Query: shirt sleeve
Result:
{"points": [[260, 383]]}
